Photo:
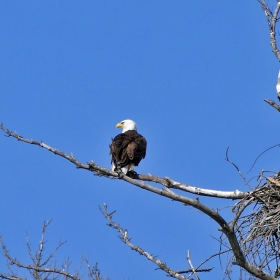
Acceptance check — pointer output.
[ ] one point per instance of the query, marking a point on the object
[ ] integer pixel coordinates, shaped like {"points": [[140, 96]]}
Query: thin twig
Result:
{"points": [[277, 145], [212, 256], [238, 170], [191, 265], [273, 104]]}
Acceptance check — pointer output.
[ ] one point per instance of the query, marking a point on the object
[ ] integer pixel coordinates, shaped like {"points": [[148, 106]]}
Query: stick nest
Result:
{"points": [[258, 229]]}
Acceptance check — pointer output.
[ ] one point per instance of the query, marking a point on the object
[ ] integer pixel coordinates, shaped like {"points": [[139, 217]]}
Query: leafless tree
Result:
{"points": [[47, 268], [272, 18], [252, 238]]}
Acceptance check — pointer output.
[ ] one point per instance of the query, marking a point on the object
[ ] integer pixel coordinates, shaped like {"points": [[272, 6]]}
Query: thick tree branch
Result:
{"points": [[171, 184], [101, 171], [205, 192], [104, 172]]}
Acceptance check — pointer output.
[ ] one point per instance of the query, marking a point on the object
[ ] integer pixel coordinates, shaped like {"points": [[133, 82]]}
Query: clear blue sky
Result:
{"points": [[192, 74]]}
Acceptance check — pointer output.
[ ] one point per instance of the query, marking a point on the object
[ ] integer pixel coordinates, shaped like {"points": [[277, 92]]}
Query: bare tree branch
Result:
{"points": [[101, 171], [272, 19], [94, 272], [197, 270], [205, 192], [124, 237], [34, 268], [277, 145], [191, 265], [3, 276], [238, 170], [40, 269], [273, 104], [212, 256]]}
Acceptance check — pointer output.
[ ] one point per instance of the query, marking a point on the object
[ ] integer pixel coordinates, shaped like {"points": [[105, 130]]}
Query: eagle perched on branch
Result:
{"points": [[128, 148]]}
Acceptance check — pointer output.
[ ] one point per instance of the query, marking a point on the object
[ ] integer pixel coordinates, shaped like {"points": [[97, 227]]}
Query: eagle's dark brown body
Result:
{"points": [[127, 149]]}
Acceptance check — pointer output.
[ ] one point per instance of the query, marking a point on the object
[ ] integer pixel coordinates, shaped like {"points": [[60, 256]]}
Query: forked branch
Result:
{"points": [[127, 240], [37, 268], [272, 19], [44, 269]]}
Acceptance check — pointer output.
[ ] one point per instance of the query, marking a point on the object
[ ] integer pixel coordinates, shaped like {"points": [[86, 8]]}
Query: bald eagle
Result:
{"points": [[128, 148]]}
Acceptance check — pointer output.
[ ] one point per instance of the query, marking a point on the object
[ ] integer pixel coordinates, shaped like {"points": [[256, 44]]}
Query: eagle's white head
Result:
{"points": [[127, 125]]}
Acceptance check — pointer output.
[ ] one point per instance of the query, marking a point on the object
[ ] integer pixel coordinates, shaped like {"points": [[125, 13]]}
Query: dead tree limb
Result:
{"points": [[124, 237], [36, 269], [191, 265], [101, 171], [40, 269], [273, 104], [272, 19]]}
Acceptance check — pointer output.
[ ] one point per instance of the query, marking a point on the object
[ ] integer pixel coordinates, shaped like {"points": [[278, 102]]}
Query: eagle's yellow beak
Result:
{"points": [[119, 125]]}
